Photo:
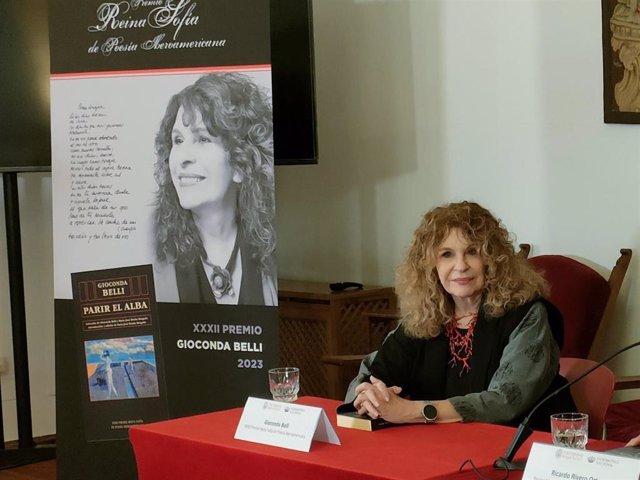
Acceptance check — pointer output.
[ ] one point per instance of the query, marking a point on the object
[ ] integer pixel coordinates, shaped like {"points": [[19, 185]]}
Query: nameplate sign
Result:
{"points": [[550, 462], [286, 425]]}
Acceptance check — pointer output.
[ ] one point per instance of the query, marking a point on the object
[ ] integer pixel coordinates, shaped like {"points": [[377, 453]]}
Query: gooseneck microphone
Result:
{"points": [[506, 461]]}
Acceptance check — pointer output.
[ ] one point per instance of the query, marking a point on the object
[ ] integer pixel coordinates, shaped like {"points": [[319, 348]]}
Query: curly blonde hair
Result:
{"points": [[509, 280]]}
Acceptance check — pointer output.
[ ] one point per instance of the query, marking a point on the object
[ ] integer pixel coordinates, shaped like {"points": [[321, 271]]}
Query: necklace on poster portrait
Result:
{"points": [[221, 279], [461, 344]]}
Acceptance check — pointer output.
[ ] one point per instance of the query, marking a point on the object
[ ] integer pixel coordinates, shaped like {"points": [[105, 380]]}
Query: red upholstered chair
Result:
{"points": [[623, 418], [586, 300], [593, 393]]}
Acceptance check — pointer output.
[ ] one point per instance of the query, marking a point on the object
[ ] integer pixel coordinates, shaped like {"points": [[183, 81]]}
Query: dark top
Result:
{"points": [[194, 286], [514, 364]]}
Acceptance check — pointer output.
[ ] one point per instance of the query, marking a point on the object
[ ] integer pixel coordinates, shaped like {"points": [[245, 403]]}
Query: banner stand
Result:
{"points": [[26, 452], [164, 269], [24, 456]]}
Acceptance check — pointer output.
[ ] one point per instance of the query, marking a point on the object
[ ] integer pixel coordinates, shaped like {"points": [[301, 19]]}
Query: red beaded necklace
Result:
{"points": [[461, 344]]}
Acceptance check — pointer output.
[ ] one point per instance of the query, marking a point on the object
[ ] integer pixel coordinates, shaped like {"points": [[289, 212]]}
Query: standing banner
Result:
{"points": [[164, 218]]}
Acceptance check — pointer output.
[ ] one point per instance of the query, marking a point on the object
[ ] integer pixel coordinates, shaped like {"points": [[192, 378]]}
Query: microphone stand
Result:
{"points": [[524, 431]]}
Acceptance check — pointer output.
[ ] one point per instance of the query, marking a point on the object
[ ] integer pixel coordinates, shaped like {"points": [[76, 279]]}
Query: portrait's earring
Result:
{"points": [[237, 176]]}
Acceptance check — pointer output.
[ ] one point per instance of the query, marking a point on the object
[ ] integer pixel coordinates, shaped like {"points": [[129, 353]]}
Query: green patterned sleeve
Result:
{"points": [[528, 366]]}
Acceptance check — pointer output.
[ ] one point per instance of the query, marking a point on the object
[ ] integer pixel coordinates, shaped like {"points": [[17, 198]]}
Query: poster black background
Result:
{"points": [[77, 458], [240, 22], [197, 381], [201, 381]]}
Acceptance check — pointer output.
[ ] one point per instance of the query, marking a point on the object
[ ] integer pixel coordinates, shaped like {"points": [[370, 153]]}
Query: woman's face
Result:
{"points": [[200, 168], [460, 267]]}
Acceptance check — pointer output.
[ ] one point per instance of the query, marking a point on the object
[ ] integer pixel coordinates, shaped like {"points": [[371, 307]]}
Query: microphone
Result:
{"points": [[506, 462]]}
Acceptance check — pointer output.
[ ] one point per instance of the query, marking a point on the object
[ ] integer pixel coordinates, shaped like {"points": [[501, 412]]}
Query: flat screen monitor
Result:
{"points": [[294, 108], [25, 143]]}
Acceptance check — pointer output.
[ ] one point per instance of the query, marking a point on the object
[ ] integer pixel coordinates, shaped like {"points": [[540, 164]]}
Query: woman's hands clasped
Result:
{"points": [[634, 442], [377, 400]]}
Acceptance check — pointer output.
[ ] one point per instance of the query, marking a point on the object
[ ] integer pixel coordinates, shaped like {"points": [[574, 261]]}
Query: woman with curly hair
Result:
{"points": [[477, 341], [215, 207]]}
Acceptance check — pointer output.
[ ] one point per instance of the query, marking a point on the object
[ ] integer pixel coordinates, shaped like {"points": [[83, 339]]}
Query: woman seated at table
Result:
{"points": [[477, 342]]}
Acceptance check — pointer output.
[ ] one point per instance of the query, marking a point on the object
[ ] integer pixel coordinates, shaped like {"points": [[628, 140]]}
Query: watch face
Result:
{"points": [[429, 412]]}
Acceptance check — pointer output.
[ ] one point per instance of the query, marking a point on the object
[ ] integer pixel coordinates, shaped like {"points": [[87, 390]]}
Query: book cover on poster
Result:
{"points": [[118, 338]]}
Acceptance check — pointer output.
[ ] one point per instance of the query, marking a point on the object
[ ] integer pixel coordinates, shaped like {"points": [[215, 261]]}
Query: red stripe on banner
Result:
{"points": [[161, 71]]}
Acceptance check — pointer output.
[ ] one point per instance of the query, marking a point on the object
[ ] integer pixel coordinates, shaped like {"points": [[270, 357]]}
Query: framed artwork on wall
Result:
{"points": [[621, 60]]}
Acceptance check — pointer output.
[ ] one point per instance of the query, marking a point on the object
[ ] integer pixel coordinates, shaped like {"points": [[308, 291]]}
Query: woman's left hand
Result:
{"points": [[370, 397], [378, 400], [634, 442]]}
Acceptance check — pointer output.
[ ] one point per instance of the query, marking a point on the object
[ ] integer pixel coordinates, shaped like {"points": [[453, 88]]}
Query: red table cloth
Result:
{"points": [[202, 447]]}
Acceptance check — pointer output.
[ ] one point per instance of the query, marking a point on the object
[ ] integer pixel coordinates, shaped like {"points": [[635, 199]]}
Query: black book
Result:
{"points": [[348, 417]]}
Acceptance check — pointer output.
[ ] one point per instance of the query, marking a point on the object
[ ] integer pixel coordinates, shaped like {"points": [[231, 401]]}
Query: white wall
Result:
{"points": [[423, 102], [419, 103]]}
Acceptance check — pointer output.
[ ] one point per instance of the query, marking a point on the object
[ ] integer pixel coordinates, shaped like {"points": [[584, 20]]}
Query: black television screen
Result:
{"points": [[294, 109], [25, 143]]}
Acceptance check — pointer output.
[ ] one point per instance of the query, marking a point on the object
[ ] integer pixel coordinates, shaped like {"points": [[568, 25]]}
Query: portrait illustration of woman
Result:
{"points": [[215, 205]]}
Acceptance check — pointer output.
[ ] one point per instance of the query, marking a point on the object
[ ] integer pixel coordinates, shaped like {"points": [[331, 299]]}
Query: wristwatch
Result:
{"points": [[429, 412]]}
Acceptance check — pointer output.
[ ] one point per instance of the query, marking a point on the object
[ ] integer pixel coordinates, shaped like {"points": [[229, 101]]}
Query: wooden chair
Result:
{"points": [[593, 393], [586, 300]]}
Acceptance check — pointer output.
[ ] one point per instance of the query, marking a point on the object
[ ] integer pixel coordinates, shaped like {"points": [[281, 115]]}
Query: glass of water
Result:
{"points": [[284, 383], [570, 429]]}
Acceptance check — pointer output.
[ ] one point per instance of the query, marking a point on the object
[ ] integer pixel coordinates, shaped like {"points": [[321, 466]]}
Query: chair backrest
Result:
{"points": [[585, 299], [593, 393]]}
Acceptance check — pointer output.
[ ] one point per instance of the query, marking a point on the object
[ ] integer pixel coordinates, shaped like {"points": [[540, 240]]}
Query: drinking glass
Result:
{"points": [[284, 383], [570, 429]]}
